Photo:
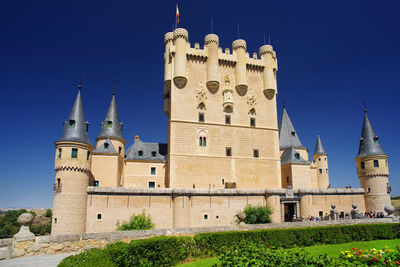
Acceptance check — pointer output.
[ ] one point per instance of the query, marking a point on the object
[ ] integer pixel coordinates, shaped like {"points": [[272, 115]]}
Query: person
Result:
{"points": [[317, 219]]}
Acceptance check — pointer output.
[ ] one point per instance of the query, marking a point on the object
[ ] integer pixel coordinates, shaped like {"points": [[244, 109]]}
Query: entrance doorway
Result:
{"points": [[289, 211]]}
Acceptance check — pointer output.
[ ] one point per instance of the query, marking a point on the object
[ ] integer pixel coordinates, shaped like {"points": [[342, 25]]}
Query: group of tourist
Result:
{"points": [[378, 214]]}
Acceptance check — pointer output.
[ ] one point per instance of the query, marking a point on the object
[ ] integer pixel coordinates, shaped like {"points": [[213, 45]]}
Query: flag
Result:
{"points": [[177, 14]]}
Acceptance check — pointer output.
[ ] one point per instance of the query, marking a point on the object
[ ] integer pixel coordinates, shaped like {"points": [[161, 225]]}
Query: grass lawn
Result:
{"points": [[331, 250]]}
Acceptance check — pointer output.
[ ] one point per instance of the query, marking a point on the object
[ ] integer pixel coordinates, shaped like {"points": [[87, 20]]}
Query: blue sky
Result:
{"points": [[332, 56]]}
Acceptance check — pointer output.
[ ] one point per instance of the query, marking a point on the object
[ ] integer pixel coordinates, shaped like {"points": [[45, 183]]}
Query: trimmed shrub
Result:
{"points": [[212, 243], [257, 214], [167, 251], [137, 222], [49, 213]]}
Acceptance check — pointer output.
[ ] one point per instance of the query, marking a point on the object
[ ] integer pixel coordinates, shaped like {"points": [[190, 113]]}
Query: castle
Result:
{"points": [[225, 150]]}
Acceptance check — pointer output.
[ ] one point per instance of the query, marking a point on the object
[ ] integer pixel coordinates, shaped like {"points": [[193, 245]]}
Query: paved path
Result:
{"points": [[35, 261]]}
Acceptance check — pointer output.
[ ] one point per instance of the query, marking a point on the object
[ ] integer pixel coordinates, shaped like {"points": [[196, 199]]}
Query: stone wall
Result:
{"points": [[10, 248]]}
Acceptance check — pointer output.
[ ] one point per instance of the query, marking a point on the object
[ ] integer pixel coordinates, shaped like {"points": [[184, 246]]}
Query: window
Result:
{"points": [[319, 159], [88, 155], [297, 155], [140, 153], [222, 181], [106, 145], [227, 119], [153, 154], [205, 217], [87, 127], [253, 122], [293, 133], [71, 124], [74, 153], [58, 184], [320, 213], [325, 158], [153, 170], [119, 149], [228, 152], [326, 170], [376, 140], [320, 170], [376, 163], [152, 184], [59, 152], [361, 141], [55, 220], [109, 124], [203, 141], [98, 216], [201, 117], [255, 153], [363, 165], [96, 183], [287, 179], [368, 189]]}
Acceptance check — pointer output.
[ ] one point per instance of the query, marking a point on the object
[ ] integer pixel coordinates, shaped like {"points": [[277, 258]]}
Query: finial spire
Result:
{"points": [[238, 31], [284, 104], [114, 87], [212, 25], [365, 106], [80, 81]]}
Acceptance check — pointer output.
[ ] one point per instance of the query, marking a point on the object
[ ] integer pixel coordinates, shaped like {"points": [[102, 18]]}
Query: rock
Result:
{"points": [[25, 219], [44, 245], [241, 216], [4, 253], [56, 247], [389, 209], [354, 206], [18, 252], [36, 248], [88, 247], [50, 252]]}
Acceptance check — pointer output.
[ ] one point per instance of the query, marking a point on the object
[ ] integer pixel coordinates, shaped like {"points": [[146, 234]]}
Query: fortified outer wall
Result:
{"points": [[177, 208], [9, 248]]}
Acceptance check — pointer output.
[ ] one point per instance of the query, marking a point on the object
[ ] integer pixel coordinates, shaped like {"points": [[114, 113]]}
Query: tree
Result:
{"points": [[137, 222], [257, 214], [49, 213]]}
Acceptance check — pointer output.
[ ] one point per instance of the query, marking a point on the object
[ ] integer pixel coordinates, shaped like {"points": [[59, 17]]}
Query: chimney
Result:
{"points": [[136, 138]]}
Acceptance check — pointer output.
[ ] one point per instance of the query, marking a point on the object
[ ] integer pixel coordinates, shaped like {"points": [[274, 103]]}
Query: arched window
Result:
{"points": [[203, 141]]}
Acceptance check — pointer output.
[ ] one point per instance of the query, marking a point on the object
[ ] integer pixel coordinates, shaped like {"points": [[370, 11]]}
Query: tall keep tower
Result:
{"points": [[221, 109], [321, 160], [72, 166], [372, 169]]}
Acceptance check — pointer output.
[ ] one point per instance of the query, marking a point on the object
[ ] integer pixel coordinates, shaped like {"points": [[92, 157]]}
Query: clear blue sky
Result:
{"points": [[332, 56]]}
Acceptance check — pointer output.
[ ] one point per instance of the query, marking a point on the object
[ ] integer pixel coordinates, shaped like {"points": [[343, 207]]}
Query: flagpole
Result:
{"points": [[176, 17]]}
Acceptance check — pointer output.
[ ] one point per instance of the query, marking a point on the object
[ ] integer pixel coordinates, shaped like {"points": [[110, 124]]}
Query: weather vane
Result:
{"points": [[365, 106], [81, 78], [114, 87]]}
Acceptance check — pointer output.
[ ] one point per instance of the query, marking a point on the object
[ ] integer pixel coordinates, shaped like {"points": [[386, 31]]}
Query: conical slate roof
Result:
{"points": [[319, 148], [289, 156], [287, 134], [111, 126], [107, 148], [369, 141], [149, 151], [76, 128]]}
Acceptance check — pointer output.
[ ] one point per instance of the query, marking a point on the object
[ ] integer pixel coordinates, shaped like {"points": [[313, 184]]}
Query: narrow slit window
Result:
{"points": [[255, 153], [376, 140], [87, 127], [227, 119], [228, 152], [119, 150], [320, 171], [201, 117], [58, 184], [74, 153], [88, 155], [363, 165], [59, 153], [253, 122], [376, 163]]}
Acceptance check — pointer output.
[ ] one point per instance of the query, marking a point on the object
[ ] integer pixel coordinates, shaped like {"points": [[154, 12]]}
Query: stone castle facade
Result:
{"points": [[225, 150]]}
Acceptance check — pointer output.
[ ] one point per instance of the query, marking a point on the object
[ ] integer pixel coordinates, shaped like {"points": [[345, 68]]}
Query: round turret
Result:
{"points": [[211, 41], [239, 46], [181, 37], [267, 55]]}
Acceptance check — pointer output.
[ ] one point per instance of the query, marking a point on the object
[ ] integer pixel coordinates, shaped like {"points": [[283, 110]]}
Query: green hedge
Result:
{"points": [[212, 243], [167, 251]]}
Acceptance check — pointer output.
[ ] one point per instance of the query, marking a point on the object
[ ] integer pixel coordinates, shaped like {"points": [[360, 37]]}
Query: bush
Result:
{"points": [[49, 213], [8, 223], [137, 222], [212, 243], [236, 248], [256, 215], [156, 251], [41, 229]]}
